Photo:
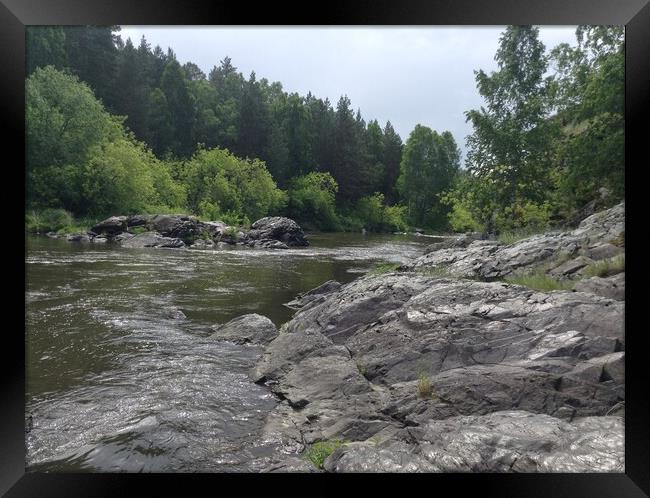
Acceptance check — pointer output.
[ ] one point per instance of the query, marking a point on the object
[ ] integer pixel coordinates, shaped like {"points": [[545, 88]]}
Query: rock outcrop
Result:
{"points": [[419, 372], [505, 441], [174, 231], [563, 254]]}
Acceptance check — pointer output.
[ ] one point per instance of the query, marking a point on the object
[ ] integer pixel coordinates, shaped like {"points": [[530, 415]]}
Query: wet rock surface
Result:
{"points": [[247, 329], [419, 373]]}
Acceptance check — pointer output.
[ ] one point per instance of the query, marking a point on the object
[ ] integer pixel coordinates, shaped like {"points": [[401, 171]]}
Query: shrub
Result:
{"points": [[377, 217], [242, 187], [48, 220], [318, 452], [312, 201], [461, 219]]}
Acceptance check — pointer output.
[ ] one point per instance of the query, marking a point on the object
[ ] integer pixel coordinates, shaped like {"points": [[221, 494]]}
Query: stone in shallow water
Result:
{"points": [[247, 329]]}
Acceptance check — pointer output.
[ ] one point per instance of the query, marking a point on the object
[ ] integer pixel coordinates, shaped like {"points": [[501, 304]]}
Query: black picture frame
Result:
{"points": [[16, 14]]}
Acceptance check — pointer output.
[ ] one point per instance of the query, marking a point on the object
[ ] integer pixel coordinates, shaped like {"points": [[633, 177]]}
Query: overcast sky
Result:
{"points": [[407, 75]]}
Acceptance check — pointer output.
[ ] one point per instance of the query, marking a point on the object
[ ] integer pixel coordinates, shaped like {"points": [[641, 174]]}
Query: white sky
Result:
{"points": [[408, 75]]}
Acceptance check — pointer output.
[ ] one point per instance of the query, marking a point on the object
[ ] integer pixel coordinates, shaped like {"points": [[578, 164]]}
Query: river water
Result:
{"points": [[118, 381]]}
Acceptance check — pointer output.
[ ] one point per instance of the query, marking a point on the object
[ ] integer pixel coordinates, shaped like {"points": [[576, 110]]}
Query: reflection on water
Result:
{"points": [[117, 382]]}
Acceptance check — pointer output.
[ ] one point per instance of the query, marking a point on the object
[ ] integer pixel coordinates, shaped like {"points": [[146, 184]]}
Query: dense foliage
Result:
{"points": [[116, 128], [545, 145]]}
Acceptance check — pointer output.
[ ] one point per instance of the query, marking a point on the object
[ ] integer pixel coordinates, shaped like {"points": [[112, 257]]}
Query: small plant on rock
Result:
{"points": [[385, 268], [607, 267], [318, 452], [425, 389]]}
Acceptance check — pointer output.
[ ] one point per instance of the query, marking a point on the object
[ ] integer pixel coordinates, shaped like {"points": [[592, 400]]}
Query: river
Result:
{"points": [[116, 381]]}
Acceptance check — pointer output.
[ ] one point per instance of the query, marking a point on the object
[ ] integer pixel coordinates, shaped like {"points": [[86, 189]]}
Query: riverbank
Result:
{"points": [[446, 365]]}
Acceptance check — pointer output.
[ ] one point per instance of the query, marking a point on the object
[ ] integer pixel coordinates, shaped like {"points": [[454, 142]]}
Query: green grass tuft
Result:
{"points": [[540, 281], [512, 236], [138, 230], [385, 268], [606, 267], [317, 453], [425, 389]]}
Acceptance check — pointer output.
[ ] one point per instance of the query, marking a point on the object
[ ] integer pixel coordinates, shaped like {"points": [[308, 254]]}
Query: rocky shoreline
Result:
{"points": [[179, 231], [442, 366]]}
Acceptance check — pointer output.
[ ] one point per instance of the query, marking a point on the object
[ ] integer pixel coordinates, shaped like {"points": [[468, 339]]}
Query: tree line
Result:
{"points": [[112, 127]]}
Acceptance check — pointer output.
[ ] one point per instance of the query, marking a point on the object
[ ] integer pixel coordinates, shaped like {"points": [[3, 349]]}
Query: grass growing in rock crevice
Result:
{"points": [[385, 268], [317, 453], [512, 236], [425, 388], [606, 267], [540, 281]]}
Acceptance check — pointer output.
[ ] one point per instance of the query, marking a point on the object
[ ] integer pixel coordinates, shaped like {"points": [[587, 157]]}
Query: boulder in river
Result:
{"points": [[78, 237], [247, 329], [278, 228], [110, 226]]}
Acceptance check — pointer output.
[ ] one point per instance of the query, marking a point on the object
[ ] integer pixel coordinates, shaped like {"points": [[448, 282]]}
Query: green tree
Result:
{"points": [[429, 165], [509, 147], [180, 105], [217, 179], [45, 46], [392, 157], [64, 121], [312, 201], [589, 98]]}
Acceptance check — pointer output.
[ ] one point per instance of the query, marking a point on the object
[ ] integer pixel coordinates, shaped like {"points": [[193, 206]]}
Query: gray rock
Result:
{"points": [[99, 240], [247, 329], [111, 226], [151, 239], [612, 287], [122, 237], [604, 251], [488, 260], [315, 295], [278, 228], [570, 267], [138, 220], [78, 237], [348, 366], [202, 244], [175, 314], [267, 244], [504, 441]]}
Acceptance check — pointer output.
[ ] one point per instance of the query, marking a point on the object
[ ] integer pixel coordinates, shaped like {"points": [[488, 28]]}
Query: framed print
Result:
{"points": [[361, 239]]}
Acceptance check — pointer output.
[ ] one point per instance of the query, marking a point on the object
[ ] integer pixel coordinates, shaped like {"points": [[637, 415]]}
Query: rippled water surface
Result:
{"points": [[117, 382]]}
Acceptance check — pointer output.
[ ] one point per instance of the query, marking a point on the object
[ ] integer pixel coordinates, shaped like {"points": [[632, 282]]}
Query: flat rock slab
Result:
{"points": [[505, 441]]}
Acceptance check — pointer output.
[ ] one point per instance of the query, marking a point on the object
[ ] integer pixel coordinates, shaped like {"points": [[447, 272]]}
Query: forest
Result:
{"points": [[113, 128]]}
